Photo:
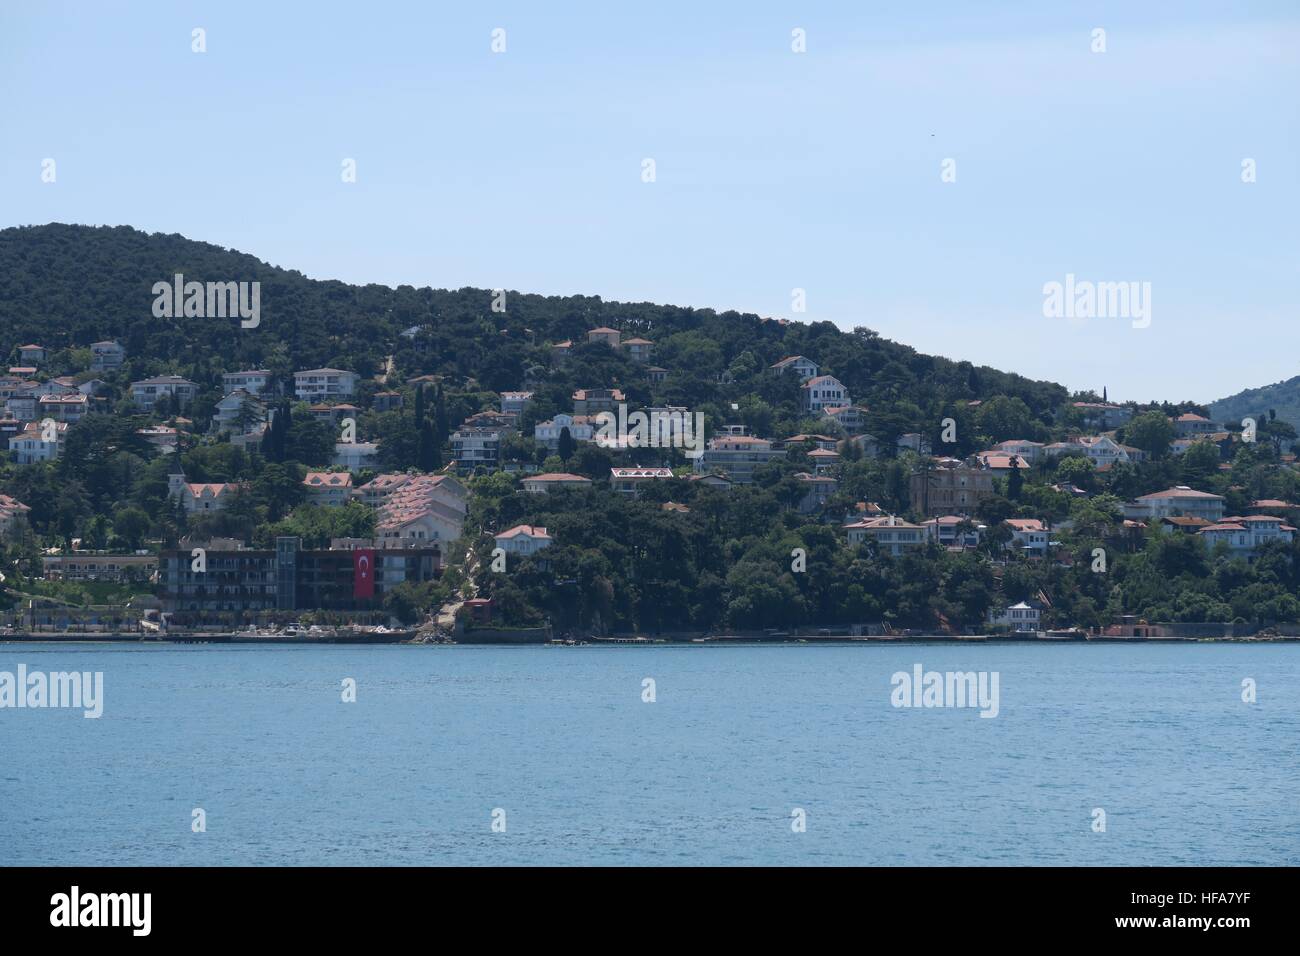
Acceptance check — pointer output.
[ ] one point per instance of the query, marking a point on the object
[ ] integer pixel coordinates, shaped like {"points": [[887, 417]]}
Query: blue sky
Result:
{"points": [[775, 170]]}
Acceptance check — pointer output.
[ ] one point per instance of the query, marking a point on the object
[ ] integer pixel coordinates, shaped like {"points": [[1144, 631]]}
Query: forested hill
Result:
{"points": [[1281, 399], [66, 286]]}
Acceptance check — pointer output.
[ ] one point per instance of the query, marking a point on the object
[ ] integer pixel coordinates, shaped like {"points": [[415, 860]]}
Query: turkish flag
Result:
{"points": [[363, 573]]}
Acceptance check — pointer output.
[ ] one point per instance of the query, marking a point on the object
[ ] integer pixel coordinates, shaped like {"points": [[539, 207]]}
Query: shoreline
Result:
{"points": [[721, 640]]}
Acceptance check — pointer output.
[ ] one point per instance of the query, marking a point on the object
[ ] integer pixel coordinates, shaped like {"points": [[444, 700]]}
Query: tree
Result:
{"points": [[1015, 482], [1152, 432], [566, 444], [1200, 462]]}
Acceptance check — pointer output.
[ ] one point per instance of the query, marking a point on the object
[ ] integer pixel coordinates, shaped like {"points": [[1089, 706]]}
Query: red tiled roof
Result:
{"points": [[529, 530]]}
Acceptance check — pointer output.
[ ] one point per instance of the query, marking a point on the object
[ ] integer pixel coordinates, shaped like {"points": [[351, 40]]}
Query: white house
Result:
{"points": [[229, 409], [805, 368], [1191, 425], [315, 384], [823, 391], [253, 381], [581, 428], [31, 355], [417, 508], [892, 535], [31, 445], [328, 487], [524, 540], [944, 530], [1017, 617], [213, 496], [1179, 500], [426, 526], [1030, 451], [147, 391], [850, 417], [1246, 535], [1028, 535], [1100, 449]]}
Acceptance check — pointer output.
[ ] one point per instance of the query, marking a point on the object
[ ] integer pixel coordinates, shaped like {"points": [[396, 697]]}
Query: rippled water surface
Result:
{"points": [[710, 773]]}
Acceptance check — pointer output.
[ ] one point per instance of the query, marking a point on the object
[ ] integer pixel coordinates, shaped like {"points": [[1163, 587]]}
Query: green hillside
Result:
{"points": [[1281, 399]]}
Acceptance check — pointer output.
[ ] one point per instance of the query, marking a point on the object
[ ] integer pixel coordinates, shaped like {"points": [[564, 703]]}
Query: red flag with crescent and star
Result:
{"points": [[363, 573]]}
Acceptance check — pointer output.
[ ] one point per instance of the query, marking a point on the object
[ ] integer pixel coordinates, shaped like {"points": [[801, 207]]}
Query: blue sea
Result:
{"points": [[790, 754]]}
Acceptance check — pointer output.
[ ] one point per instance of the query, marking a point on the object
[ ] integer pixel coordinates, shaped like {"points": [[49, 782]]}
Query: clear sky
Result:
{"points": [[774, 170]]}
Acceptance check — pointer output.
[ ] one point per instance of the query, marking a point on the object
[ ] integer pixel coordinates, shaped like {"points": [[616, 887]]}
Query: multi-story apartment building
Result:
{"points": [[1246, 535], [1179, 500], [949, 487], [238, 584], [737, 456], [317, 384], [892, 535], [417, 508], [63, 408], [147, 392], [328, 487], [947, 531], [106, 356], [476, 446], [99, 566], [253, 381]]}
